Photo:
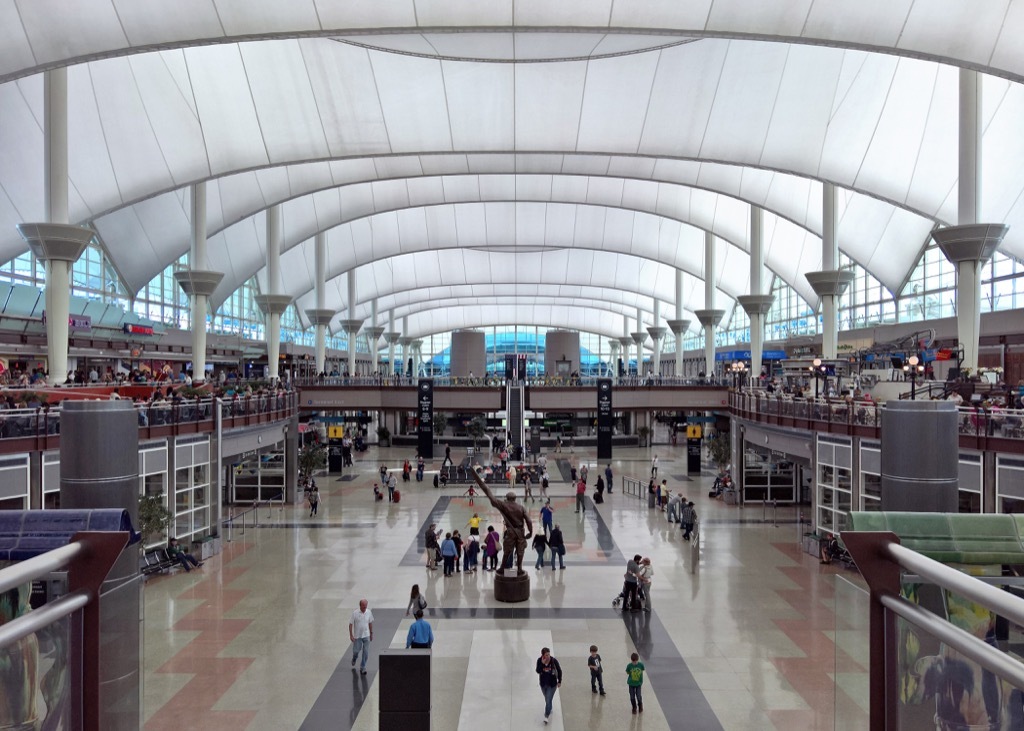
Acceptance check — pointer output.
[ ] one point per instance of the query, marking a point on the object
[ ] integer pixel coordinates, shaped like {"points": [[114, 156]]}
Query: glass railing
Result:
{"points": [[852, 699], [44, 421], [977, 421], [493, 382], [944, 647], [47, 677]]}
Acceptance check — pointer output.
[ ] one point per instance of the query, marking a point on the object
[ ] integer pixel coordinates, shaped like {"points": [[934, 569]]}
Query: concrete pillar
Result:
{"points": [[639, 337], [657, 333], [56, 244], [273, 303], [561, 345], [351, 323], [613, 345], [99, 468], [709, 317], [391, 338], [198, 282], [757, 304], [373, 334], [404, 342], [679, 329], [417, 356], [829, 283], [59, 246], [320, 317], [625, 341], [920, 456], [969, 245], [468, 353]]}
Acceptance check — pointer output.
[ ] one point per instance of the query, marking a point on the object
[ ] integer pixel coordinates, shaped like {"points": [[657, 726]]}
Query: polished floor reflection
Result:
{"points": [[258, 638]]}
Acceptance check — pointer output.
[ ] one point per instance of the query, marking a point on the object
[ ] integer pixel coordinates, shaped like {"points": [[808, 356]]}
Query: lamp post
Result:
{"points": [[816, 368], [738, 368], [913, 368]]}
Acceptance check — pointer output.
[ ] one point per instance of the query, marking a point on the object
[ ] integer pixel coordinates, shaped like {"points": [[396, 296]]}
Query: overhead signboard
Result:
{"points": [[425, 411], [605, 418], [134, 328]]}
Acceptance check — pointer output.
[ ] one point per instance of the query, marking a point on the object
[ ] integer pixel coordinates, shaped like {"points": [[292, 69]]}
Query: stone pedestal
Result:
{"points": [[511, 588]]}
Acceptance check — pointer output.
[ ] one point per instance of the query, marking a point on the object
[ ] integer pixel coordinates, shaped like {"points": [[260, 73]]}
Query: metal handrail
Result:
{"points": [[883, 563], [44, 616], [256, 505], [695, 547], [628, 482], [32, 568], [1007, 605]]}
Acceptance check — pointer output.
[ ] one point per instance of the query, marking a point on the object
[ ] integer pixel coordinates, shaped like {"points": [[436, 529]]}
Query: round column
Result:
{"points": [[468, 354], [99, 468], [273, 306], [320, 318], [59, 245], [920, 456], [679, 328]]}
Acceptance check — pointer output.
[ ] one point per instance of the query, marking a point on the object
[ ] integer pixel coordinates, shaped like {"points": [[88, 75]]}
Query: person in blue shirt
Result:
{"points": [[420, 633], [547, 517], [449, 552]]}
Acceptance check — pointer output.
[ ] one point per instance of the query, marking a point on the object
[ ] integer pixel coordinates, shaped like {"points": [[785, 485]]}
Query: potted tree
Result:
{"points": [[312, 459], [440, 422], [720, 450], [643, 432], [154, 518], [383, 436], [477, 428]]}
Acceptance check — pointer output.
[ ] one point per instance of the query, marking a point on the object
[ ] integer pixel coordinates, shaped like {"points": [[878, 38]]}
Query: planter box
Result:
{"points": [[206, 548], [810, 545]]}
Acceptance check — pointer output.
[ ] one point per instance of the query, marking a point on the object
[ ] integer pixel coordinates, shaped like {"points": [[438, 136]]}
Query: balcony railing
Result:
{"points": [[968, 674], [39, 428], [859, 416], [494, 382], [87, 559]]}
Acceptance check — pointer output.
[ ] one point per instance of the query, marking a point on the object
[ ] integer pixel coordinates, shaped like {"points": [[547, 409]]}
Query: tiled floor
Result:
{"points": [[258, 638]]}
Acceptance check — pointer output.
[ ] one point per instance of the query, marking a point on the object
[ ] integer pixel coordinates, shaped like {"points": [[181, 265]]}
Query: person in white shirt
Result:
{"points": [[645, 577], [654, 466], [360, 632]]}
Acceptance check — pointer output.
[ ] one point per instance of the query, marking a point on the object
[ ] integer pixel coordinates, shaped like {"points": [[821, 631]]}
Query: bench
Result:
{"points": [[156, 562]]}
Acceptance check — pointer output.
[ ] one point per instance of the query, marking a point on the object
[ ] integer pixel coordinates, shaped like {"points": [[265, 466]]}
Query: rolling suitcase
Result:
{"points": [[397, 496]]}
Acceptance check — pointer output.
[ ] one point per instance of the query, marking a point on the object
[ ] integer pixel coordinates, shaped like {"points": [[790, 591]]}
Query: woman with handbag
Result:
{"points": [[417, 602]]}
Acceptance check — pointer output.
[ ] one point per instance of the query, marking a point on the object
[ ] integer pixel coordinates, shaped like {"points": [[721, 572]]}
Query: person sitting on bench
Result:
{"points": [[182, 556], [830, 549]]}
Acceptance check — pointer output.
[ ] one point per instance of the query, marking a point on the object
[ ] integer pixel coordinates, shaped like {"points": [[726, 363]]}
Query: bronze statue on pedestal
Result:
{"points": [[515, 516]]}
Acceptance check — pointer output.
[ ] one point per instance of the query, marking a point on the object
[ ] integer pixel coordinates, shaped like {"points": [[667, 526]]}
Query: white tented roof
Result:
{"points": [[570, 135]]}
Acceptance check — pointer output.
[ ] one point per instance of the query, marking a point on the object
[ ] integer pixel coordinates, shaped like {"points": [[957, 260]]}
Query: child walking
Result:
{"points": [[596, 670], [635, 681]]}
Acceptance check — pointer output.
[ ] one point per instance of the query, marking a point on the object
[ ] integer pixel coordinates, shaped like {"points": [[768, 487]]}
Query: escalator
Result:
{"points": [[516, 415]]}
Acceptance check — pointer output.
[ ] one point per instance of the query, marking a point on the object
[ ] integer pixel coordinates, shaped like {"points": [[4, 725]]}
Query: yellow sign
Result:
{"points": [[335, 432], [694, 431]]}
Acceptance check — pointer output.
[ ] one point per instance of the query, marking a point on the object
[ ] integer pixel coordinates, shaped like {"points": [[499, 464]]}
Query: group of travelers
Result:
{"points": [[549, 672], [458, 555], [549, 537]]}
